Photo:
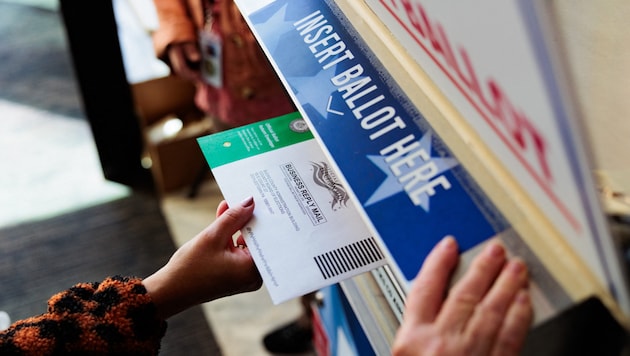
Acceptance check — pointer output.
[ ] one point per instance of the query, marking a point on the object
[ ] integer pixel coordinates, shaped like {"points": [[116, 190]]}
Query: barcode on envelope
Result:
{"points": [[348, 258]]}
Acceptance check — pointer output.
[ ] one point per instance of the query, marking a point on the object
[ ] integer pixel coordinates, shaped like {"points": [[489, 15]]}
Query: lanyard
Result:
{"points": [[208, 13]]}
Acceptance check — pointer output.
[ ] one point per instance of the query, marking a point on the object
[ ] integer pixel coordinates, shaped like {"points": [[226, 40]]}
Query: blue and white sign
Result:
{"points": [[411, 189]]}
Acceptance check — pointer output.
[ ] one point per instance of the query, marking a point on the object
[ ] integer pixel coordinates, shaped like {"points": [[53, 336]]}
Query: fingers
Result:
{"points": [[468, 292], [492, 311], [487, 312], [490, 305], [230, 220], [429, 287], [181, 56], [516, 325], [234, 218], [191, 51], [223, 206]]}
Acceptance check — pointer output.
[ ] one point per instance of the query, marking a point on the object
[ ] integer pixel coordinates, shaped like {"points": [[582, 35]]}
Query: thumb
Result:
{"points": [[223, 206], [233, 219]]}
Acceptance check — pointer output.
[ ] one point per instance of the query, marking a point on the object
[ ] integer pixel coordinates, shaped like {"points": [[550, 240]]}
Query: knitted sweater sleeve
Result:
{"points": [[113, 317]]}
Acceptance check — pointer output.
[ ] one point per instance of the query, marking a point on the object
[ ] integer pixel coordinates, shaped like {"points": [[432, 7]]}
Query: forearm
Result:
{"points": [[168, 296]]}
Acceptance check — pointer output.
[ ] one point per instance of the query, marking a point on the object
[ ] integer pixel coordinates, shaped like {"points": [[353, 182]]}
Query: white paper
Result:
{"points": [[306, 233]]}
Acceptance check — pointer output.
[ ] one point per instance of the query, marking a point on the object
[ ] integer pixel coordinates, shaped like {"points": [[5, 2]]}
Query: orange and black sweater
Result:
{"points": [[113, 317]]}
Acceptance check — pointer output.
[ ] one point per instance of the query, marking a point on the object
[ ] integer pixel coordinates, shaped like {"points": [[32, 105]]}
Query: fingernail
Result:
{"points": [[495, 249], [522, 297], [448, 243], [247, 202], [517, 267]]}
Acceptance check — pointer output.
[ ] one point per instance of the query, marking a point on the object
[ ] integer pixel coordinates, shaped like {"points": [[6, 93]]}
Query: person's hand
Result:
{"points": [[185, 60], [208, 267], [487, 312]]}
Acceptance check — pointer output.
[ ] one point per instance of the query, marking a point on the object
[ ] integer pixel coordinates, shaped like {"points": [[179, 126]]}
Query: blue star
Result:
{"points": [[315, 90], [391, 186], [269, 29]]}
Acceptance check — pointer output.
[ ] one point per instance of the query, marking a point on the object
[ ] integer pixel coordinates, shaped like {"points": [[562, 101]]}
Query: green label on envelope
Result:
{"points": [[253, 139]]}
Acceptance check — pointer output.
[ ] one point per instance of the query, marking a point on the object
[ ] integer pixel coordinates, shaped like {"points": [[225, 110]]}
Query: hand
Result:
{"points": [[208, 267], [487, 312], [185, 60]]}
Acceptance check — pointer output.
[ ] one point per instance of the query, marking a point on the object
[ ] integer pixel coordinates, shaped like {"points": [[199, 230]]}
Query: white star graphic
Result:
{"points": [[391, 185]]}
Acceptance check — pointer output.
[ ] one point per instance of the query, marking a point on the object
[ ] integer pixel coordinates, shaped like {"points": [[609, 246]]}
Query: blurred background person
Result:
{"points": [[209, 43]]}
